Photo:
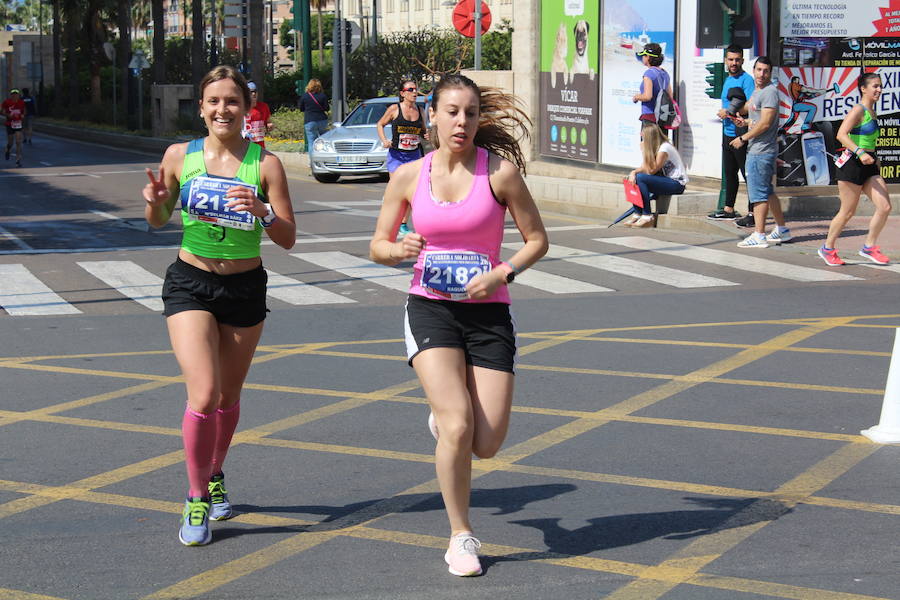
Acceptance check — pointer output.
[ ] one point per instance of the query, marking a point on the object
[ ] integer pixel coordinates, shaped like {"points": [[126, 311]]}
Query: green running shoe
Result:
{"points": [[195, 523], [220, 507]]}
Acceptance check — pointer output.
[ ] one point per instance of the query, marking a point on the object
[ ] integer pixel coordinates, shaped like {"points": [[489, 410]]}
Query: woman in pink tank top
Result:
{"points": [[460, 335]]}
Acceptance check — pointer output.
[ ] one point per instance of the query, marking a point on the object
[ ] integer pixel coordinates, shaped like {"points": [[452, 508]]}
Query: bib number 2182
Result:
{"points": [[446, 274]]}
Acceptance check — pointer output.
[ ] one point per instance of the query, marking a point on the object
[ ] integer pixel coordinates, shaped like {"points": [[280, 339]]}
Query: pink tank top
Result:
{"points": [[462, 239]]}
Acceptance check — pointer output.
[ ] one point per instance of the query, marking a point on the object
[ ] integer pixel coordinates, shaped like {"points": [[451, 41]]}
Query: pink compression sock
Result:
{"points": [[226, 423], [198, 431]]}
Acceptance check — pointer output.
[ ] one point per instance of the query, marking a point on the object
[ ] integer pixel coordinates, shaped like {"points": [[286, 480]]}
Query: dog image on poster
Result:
{"points": [[580, 60], [560, 54]]}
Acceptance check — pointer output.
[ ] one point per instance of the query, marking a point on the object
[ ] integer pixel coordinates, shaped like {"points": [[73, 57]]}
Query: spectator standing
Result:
{"points": [[654, 80], [314, 104], [30, 114], [762, 152], [733, 159], [661, 173], [258, 121]]}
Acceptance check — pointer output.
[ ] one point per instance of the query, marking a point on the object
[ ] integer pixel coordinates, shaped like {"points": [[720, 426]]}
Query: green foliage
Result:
{"points": [[377, 70], [286, 33], [288, 124], [178, 60]]}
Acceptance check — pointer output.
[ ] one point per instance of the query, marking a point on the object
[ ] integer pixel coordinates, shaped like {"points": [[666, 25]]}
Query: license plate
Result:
{"points": [[351, 159]]}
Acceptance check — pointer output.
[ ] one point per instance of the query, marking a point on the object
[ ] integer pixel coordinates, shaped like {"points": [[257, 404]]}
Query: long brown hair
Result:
{"points": [[653, 137], [501, 123]]}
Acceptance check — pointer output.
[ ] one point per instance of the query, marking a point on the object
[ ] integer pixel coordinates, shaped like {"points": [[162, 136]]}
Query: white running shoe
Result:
{"points": [[779, 235], [754, 240]]}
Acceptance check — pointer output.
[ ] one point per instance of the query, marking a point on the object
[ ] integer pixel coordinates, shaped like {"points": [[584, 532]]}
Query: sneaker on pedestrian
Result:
{"points": [[404, 229], [830, 256], [643, 222], [754, 240], [219, 506], [779, 235], [874, 254], [462, 555], [723, 215], [18, 162], [746, 221], [432, 425], [195, 523]]}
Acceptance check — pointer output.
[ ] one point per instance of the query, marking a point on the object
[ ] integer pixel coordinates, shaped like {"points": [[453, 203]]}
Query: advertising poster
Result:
{"points": [[814, 101], [569, 82], [627, 27], [840, 18]]}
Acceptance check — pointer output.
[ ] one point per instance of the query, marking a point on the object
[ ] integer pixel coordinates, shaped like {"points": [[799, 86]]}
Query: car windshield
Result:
{"points": [[368, 113]]}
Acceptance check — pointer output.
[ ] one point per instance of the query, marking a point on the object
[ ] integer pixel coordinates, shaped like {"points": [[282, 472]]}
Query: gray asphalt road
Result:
{"points": [[686, 423]]}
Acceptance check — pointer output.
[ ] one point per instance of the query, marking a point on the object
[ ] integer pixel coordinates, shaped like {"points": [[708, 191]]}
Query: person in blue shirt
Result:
{"points": [[733, 159]]}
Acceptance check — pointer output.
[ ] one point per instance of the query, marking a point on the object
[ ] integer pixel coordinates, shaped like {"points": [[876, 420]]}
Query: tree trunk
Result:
{"points": [[257, 64], [159, 42], [95, 35], [321, 35], [198, 44], [72, 29], [57, 59], [123, 52]]}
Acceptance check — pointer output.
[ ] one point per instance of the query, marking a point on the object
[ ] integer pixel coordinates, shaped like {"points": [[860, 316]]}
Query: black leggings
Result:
{"points": [[732, 161]]}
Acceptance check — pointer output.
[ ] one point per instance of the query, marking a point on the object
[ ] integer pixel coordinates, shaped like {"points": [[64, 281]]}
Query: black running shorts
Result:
{"points": [[855, 172], [485, 331], [238, 300]]}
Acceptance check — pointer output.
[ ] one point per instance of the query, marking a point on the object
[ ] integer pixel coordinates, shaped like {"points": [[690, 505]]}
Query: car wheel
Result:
{"points": [[326, 177]]}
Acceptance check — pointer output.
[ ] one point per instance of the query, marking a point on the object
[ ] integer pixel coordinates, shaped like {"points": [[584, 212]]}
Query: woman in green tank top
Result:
{"points": [[858, 173], [230, 190]]}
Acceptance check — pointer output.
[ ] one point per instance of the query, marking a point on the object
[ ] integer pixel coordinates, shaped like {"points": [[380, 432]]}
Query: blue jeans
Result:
{"points": [[760, 169], [314, 129], [656, 185]]}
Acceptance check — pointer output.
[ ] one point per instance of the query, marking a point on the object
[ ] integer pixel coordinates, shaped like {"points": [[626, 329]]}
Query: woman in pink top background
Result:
{"points": [[459, 330]]}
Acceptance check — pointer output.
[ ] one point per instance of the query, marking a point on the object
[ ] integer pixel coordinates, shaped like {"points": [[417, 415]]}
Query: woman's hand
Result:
{"points": [[156, 193], [483, 286], [632, 177], [866, 158], [408, 247], [244, 200], [386, 143]]}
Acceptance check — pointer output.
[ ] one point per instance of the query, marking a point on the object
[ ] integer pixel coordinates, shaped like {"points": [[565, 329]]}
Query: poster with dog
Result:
{"points": [[569, 83]]}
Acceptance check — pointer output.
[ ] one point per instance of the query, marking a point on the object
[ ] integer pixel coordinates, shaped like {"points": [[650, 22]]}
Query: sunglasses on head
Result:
{"points": [[647, 53]]}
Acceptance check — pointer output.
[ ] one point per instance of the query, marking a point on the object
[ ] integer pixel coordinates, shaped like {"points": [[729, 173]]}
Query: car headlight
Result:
{"points": [[321, 145]]}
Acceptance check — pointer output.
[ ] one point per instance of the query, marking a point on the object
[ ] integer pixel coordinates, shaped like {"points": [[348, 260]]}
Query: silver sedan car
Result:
{"points": [[353, 147]]}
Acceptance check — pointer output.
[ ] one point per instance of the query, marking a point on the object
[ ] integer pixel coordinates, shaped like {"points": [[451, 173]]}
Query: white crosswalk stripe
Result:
{"points": [[24, 294], [632, 268], [736, 260], [358, 268], [557, 284], [129, 279], [299, 293]]}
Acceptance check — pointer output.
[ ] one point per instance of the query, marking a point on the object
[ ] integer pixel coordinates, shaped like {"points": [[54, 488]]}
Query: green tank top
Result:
{"points": [[865, 135], [214, 241]]}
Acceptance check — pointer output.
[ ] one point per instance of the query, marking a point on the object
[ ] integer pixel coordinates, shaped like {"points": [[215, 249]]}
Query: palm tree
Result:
{"points": [[198, 43], [140, 16], [57, 58], [255, 16], [319, 5], [124, 50], [159, 41]]}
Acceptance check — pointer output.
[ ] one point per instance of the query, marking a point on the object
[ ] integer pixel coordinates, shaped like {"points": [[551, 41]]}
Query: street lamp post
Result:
{"points": [[477, 35]]}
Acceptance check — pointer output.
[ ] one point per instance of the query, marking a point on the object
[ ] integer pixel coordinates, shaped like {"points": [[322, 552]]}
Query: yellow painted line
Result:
{"points": [[350, 450], [708, 548], [93, 423], [812, 435], [776, 590], [95, 372], [7, 594], [208, 581]]}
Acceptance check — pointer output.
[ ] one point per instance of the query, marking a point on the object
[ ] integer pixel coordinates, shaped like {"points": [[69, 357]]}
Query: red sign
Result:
{"points": [[464, 18]]}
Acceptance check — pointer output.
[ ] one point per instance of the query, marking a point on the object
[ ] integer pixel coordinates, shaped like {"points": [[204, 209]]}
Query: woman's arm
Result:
{"points": [[389, 115], [383, 248], [853, 118], [646, 94], [510, 189], [162, 192], [282, 231]]}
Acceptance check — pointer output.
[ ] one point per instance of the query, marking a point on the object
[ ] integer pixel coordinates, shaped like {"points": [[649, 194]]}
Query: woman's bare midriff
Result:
{"points": [[220, 266]]}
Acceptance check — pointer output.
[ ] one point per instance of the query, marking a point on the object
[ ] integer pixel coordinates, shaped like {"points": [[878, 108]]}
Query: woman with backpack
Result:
{"points": [[655, 79]]}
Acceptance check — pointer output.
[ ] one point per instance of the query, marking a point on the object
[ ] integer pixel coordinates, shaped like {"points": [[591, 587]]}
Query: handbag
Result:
{"points": [[633, 193]]}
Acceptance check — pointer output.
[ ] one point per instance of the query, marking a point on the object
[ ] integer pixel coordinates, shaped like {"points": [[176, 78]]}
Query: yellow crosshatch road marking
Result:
{"points": [[648, 581]]}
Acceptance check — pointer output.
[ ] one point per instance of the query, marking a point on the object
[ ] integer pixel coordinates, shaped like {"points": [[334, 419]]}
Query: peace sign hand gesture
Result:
{"points": [[156, 193]]}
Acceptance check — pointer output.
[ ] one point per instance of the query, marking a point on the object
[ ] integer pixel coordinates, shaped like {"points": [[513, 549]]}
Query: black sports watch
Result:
{"points": [[511, 273]]}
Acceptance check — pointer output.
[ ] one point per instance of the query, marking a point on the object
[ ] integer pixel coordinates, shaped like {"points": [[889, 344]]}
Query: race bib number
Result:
{"points": [[843, 158], [15, 124], [206, 202], [446, 274], [409, 141]]}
